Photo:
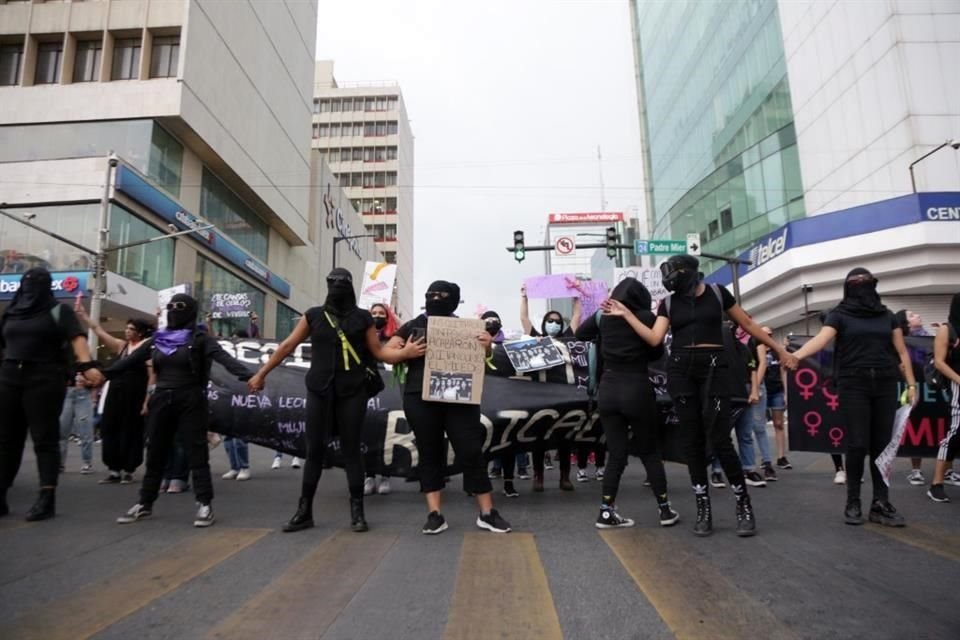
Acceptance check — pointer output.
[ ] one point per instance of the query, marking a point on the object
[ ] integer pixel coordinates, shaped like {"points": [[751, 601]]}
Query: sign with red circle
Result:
{"points": [[565, 245]]}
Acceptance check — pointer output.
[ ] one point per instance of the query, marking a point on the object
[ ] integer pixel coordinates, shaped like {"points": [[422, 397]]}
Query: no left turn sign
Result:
{"points": [[565, 245]]}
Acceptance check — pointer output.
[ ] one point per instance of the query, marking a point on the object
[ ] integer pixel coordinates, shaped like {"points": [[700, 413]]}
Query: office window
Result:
{"points": [[335, 105], [381, 103], [357, 129], [347, 104], [345, 155], [367, 180], [126, 59], [166, 160], [368, 104], [165, 58], [49, 56], [356, 180], [392, 103], [150, 264], [391, 153], [86, 65], [323, 131], [11, 58], [390, 233], [391, 205], [380, 154], [344, 179], [390, 257], [391, 178], [726, 219], [316, 130], [287, 320], [369, 129], [335, 130], [324, 106], [316, 105], [379, 179], [392, 128], [368, 154], [381, 128], [357, 154], [224, 208]]}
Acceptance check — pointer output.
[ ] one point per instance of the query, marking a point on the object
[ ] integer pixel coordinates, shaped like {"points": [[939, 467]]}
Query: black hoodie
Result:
{"points": [[620, 346]]}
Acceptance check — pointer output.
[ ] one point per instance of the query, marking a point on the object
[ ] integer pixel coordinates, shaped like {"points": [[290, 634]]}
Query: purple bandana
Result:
{"points": [[169, 340]]}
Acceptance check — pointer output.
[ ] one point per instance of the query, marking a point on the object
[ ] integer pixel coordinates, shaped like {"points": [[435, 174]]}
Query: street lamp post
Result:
{"points": [[806, 307], [338, 239], [734, 263], [948, 143]]}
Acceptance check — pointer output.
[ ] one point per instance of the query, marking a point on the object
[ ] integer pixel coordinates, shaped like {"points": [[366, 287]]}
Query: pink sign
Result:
{"points": [[591, 294], [562, 285]]}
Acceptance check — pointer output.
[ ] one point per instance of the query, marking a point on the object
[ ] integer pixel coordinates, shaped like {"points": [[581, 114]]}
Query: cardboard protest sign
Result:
{"points": [[533, 354], [650, 277], [455, 361], [377, 287]]}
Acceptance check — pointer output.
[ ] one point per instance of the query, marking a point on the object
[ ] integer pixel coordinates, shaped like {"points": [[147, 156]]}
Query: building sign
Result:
{"points": [[603, 217], [130, 183], [769, 248], [66, 284], [943, 213], [336, 220]]}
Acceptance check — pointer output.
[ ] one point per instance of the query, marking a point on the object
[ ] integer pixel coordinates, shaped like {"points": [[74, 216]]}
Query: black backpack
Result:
{"points": [[931, 375]]}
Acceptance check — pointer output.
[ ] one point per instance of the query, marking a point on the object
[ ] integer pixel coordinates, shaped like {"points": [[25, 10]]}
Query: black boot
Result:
{"points": [[357, 522], [4, 508], [746, 523], [853, 514], [302, 519], [45, 507], [704, 524]]}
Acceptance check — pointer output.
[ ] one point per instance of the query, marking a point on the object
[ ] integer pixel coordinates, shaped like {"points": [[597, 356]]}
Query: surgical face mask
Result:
{"points": [[552, 328]]}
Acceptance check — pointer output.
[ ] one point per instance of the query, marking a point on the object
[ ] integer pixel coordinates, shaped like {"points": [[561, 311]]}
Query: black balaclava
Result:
{"points": [[557, 318], [182, 318], [443, 306], [341, 297], [494, 325], [954, 317], [681, 274], [860, 297], [35, 294]]}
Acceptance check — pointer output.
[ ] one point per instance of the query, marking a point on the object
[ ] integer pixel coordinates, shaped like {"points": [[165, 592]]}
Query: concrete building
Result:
{"points": [[758, 117], [207, 106], [363, 131]]}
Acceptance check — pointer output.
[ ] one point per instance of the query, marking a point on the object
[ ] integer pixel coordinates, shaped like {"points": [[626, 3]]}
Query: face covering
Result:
{"points": [[181, 312], [443, 298], [860, 297], [680, 274], [340, 295], [632, 294], [34, 295], [379, 323], [493, 323], [552, 328]]}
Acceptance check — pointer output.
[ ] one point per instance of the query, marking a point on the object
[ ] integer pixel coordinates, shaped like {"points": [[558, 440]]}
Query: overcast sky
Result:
{"points": [[508, 101]]}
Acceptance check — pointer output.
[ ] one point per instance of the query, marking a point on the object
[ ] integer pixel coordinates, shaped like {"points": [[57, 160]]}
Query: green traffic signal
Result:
{"points": [[519, 250]]}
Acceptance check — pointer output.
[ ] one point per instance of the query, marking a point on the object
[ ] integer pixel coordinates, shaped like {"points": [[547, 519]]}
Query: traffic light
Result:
{"points": [[519, 252], [612, 242]]}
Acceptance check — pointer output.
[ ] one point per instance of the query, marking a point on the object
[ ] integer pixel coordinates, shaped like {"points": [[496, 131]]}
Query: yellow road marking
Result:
{"points": [[309, 596], [501, 591], [97, 606], [693, 598], [939, 542]]}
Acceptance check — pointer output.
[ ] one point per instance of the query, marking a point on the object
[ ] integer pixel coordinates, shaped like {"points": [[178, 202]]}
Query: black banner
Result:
{"points": [[815, 420]]}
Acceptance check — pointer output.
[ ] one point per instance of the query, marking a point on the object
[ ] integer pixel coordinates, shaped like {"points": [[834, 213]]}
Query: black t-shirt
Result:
{"points": [[180, 368], [414, 329], [864, 343], [771, 378], [39, 337], [326, 357], [620, 346], [698, 320]]}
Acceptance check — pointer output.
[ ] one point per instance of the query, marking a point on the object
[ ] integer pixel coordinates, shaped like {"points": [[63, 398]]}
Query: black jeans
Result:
{"points": [[627, 403], [173, 411], [31, 397], [461, 424], [583, 454], [868, 404], [701, 397], [330, 415]]}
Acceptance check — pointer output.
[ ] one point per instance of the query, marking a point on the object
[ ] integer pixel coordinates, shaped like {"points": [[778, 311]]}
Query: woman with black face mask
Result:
{"points": [[430, 421], [385, 322], [38, 339], [694, 313], [626, 399], [181, 356], [344, 343], [869, 354]]}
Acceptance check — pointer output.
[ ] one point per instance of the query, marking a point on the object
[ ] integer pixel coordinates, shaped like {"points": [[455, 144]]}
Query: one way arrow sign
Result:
{"points": [[693, 244]]}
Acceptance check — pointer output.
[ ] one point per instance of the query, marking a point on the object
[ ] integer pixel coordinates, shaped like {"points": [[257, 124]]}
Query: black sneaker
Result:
{"points": [[112, 478], [610, 519], [783, 463], [716, 480], [746, 522], [884, 513], [937, 493], [754, 479], [668, 517], [853, 514], [509, 490], [768, 473], [435, 524], [493, 522], [704, 524]]}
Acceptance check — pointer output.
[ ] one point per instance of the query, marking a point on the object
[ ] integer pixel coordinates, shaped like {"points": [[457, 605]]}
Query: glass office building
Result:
{"points": [[719, 142]]}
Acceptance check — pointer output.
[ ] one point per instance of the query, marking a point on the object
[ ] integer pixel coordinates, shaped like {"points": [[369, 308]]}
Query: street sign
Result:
{"points": [[644, 247], [693, 244], [565, 245]]}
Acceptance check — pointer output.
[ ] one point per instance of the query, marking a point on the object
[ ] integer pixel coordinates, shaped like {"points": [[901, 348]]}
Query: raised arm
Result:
{"points": [[114, 344], [525, 311], [577, 316], [300, 333]]}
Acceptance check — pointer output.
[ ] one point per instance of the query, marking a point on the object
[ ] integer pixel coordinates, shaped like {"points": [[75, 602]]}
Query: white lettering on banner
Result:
{"points": [[539, 415], [296, 359], [943, 213], [572, 420], [291, 402], [766, 251], [252, 401], [514, 417], [191, 222], [293, 428], [393, 438]]}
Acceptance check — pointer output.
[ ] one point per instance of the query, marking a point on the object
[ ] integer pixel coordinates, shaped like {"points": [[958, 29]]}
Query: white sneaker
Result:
{"points": [[296, 462], [582, 476], [244, 474], [600, 473], [951, 477], [204, 517], [840, 477], [915, 477], [136, 512], [276, 463], [86, 469], [369, 486], [230, 475], [383, 488]]}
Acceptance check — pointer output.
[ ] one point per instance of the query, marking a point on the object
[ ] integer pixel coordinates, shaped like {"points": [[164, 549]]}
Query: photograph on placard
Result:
{"points": [[533, 354], [446, 386], [455, 360]]}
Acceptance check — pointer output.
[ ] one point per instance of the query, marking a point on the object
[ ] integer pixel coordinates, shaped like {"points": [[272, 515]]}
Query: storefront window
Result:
{"points": [[166, 160], [22, 248], [222, 207], [287, 319], [225, 300], [150, 264]]}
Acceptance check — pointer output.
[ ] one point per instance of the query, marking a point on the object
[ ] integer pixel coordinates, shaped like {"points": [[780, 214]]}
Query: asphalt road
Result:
{"points": [[805, 575]]}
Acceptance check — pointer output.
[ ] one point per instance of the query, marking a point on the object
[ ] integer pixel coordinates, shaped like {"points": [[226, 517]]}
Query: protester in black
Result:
{"points": [[38, 339], [181, 356], [344, 344], [869, 356], [694, 312], [121, 424], [430, 421], [626, 398], [946, 357]]}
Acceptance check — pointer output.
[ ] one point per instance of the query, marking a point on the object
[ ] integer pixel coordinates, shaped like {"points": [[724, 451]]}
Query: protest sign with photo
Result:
{"points": [[455, 361], [533, 354], [377, 286]]}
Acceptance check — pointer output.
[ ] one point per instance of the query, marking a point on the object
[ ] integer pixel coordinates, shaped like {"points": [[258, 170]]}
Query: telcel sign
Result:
{"points": [[66, 284], [769, 249]]}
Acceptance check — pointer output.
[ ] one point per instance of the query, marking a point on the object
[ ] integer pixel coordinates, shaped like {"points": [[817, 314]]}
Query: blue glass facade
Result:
{"points": [[717, 119]]}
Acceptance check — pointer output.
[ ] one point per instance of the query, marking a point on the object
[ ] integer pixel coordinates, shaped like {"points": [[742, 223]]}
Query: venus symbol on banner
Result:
{"points": [[565, 245]]}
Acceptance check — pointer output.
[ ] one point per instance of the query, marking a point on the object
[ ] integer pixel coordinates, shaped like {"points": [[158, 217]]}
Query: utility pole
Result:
{"points": [[100, 258]]}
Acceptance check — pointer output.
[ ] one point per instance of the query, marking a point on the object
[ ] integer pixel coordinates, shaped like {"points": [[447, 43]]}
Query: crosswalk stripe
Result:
{"points": [[308, 596], [694, 599], [937, 541], [501, 591], [105, 602]]}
